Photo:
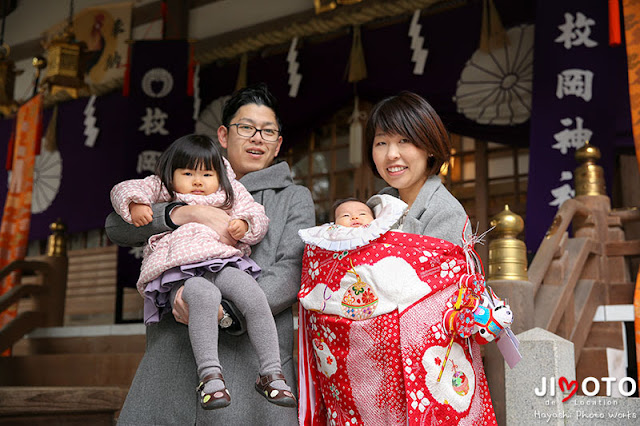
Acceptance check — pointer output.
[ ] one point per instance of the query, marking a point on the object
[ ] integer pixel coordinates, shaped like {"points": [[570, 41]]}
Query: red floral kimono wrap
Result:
{"points": [[371, 337]]}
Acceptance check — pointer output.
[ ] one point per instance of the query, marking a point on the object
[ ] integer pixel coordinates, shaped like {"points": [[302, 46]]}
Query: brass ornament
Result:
{"points": [[554, 226], [589, 177], [329, 5], [507, 254], [57, 242]]}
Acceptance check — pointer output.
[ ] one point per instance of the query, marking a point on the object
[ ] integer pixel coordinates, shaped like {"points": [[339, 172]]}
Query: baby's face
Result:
{"points": [[353, 214]]}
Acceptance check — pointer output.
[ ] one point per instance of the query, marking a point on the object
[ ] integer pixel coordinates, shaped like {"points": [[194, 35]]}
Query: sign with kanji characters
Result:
{"points": [[571, 104], [161, 111]]}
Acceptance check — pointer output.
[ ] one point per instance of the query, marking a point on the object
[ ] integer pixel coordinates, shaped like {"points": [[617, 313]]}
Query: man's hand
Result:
{"points": [[238, 228], [141, 214], [213, 217], [181, 308]]}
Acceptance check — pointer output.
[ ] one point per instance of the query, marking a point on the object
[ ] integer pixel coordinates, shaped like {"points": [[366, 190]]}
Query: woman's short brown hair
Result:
{"points": [[411, 116]]}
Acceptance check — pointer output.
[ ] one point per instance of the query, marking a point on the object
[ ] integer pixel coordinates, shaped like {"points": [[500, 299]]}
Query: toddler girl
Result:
{"points": [[193, 171]]}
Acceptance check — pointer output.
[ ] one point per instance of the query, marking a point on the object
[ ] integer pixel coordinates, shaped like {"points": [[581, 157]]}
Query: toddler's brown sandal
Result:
{"points": [[217, 399], [275, 396]]}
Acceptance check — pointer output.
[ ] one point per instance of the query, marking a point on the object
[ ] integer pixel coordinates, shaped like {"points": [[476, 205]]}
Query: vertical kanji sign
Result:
{"points": [[160, 111], [571, 104]]}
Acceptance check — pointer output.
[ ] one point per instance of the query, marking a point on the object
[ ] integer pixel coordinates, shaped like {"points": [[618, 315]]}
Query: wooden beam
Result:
{"points": [[21, 325], [588, 296], [177, 25], [623, 248], [140, 15], [482, 195], [550, 300]]}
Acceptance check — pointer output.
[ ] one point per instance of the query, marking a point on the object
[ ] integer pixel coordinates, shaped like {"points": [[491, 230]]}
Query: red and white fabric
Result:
{"points": [[371, 340]]}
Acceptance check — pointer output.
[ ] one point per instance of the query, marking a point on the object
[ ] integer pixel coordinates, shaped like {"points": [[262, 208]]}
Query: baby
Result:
{"points": [[356, 223], [352, 213]]}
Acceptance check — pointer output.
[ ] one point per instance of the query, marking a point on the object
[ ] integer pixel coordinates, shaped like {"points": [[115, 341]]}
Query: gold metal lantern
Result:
{"points": [[8, 72], [64, 65]]}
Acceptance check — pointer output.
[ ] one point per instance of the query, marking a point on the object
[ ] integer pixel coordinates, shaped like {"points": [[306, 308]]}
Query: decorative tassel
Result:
{"points": [[164, 12], [357, 65], [51, 139], [492, 34], [355, 134], [190, 70], [38, 135], [12, 141], [615, 32], [127, 71], [241, 83]]}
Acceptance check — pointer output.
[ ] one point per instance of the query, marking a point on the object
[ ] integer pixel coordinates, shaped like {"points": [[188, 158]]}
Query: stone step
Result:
{"points": [[116, 369], [129, 338], [45, 406]]}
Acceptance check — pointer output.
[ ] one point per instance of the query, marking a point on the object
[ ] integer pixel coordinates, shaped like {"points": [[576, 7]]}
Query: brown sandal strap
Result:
{"points": [[212, 376], [208, 378], [268, 378]]}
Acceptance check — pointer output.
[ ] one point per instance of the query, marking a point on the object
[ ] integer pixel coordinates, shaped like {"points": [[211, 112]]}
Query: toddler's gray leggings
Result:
{"points": [[203, 294]]}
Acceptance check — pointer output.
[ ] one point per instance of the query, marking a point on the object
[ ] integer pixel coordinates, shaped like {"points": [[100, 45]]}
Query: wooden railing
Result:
{"points": [[571, 277], [568, 279], [48, 296]]}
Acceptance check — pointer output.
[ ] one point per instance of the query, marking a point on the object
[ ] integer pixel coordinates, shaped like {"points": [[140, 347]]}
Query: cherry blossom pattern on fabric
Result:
{"points": [[373, 370]]}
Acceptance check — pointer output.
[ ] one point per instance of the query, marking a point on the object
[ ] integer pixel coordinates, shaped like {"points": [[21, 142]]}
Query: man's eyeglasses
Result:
{"points": [[247, 130]]}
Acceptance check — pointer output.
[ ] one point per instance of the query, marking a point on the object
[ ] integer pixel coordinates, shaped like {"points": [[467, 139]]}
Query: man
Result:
{"points": [[163, 390]]}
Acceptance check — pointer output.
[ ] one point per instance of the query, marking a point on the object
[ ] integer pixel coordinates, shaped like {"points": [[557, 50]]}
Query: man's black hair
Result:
{"points": [[256, 94]]}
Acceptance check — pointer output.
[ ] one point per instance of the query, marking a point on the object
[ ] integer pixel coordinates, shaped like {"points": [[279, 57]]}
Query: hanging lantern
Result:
{"points": [[8, 72], [65, 68]]}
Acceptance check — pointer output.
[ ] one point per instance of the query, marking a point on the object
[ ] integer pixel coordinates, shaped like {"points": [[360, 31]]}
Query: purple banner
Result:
{"points": [[388, 54], [104, 140], [574, 87]]}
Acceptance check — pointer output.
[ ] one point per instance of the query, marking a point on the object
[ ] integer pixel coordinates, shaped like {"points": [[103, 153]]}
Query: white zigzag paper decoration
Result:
{"points": [[90, 129], [294, 76], [419, 56], [196, 92]]}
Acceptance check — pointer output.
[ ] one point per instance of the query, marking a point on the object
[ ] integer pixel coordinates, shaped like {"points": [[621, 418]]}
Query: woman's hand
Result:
{"points": [[180, 309], [141, 214], [213, 217]]}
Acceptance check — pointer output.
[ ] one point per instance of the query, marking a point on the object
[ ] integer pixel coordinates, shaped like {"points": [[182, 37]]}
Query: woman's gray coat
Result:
{"points": [[435, 212], [163, 390]]}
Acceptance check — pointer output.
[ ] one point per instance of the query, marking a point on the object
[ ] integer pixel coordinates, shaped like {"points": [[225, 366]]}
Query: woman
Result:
{"points": [[374, 348], [408, 145]]}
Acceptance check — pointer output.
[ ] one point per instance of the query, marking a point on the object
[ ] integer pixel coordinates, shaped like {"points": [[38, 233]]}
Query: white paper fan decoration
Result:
{"points": [[211, 117], [47, 174], [495, 87]]}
